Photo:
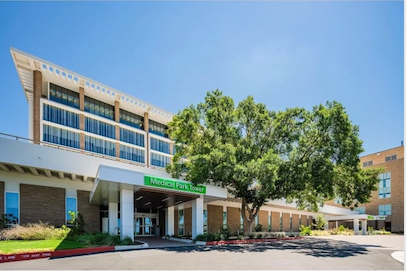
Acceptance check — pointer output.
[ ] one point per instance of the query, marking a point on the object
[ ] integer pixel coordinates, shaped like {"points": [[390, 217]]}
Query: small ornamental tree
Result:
{"points": [[320, 221], [303, 156]]}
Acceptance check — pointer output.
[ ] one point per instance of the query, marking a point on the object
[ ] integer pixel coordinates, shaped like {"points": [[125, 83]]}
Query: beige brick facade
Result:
{"points": [[188, 222], [304, 220], [81, 98], [396, 168], [295, 223], [90, 212], [263, 219], [275, 221], [42, 203], [214, 218], [233, 219], [285, 222], [117, 111], [37, 105]]}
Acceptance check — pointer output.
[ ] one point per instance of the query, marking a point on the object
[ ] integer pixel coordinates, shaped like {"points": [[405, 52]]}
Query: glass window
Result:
{"points": [[241, 222], [181, 222], [159, 145], [131, 137], [257, 219], [269, 222], [63, 95], [99, 108], [12, 205], [131, 119], [61, 137], [70, 210], [280, 223], [224, 219], [159, 160], [385, 185], [390, 158], [204, 221], [367, 164], [361, 210], [98, 145], [100, 128], [133, 154], [158, 128], [338, 200], [385, 209], [60, 116]]}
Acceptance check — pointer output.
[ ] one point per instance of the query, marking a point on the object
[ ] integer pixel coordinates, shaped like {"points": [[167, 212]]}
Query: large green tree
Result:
{"points": [[303, 156]]}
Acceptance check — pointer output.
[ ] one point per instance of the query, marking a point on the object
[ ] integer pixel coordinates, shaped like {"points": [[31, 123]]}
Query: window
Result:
{"points": [[385, 209], [204, 221], [131, 137], [280, 223], [159, 145], [158, 128], [290, 224], [367, 164], [100, 128], [60, 116], [257, 219], [384, 185], [132, 154], [224, 220], [338, 200], [390, 158], [131, 119], [241, 222], [99, 108], [12, 205], [70, 210], [159, 160], [361, 210], [61, 136], [300, 220], [98, 145], [63, 95], [269, 222], [181, 222]]}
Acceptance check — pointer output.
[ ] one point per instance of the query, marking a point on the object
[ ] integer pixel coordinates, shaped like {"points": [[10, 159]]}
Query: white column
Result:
{"points": [[336, 224], [356, 226], [170, 220], [364, 227], [30, 118], [127, 213], [113, 218], [197, 217]]}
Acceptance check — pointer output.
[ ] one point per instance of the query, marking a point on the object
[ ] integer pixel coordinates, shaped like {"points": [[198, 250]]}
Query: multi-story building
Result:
{"points": [[388, 199], [98, 151]]}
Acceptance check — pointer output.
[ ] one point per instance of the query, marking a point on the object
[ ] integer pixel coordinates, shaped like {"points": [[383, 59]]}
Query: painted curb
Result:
{"points": [[399, 256], [248, 241]]}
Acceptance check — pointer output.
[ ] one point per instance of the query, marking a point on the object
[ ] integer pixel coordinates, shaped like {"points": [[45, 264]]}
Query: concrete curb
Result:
{"points": [[399, 256]]}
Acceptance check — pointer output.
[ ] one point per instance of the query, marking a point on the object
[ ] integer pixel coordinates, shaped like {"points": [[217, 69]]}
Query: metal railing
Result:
{"points": [[81, 151]]}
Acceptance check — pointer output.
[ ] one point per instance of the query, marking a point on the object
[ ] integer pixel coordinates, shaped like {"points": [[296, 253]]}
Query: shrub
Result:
{"points": [[319, 233], [291, 234], [7, 220], [305, 230], [370, 230], [258, 227], [320, 222], [259, 236], [34, 231], [266, 235], [240, 237], [207, 237], [251, 236], [225, 233]]}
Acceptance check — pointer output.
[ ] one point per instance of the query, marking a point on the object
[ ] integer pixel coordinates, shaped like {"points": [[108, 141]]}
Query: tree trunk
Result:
{"points": [[252, 213]]}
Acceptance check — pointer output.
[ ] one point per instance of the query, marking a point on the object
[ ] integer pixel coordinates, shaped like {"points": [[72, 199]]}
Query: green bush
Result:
{"points": [[305, 230], [225, 233], [291, 234], [259, 236], [102, 239], [258, 227], [207, 237], [370, 230], [341, 228], [251, 236], [7, 220], [240, 237]]}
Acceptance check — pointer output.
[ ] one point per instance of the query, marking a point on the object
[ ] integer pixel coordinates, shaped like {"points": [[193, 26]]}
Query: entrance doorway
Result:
{"points": [[145, 224]]}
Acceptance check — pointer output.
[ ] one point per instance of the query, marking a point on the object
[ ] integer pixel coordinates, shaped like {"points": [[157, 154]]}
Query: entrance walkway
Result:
{"points": [[159, 242]]}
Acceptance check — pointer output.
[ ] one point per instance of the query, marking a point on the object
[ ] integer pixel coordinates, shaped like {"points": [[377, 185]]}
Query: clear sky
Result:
{"points": [[285, 54]]}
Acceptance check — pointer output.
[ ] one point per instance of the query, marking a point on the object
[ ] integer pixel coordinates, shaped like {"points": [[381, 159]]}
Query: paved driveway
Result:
{"points": [[309, 253]]}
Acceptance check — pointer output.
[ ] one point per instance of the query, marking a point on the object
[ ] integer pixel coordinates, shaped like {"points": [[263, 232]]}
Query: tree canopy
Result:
{"points": [[303, 156]]}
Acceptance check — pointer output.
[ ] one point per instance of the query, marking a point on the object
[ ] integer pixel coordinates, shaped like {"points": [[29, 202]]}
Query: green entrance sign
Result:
{"points": [[175, 185], [371, 217]]}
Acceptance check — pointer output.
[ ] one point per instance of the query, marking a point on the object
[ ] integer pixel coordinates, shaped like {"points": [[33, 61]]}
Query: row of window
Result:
{"points": [[100, 128], [158, 128], [387, 159], [64, 96], [161, 146], [61, 137], [13, 207], [159, 160], [131, 119], [132, 154], [60, 116], [99, 108]]}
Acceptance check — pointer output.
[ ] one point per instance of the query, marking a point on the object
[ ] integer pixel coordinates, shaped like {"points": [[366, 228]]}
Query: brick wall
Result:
{"points": [[304, 220], [2, 211], [295, 223], [263, 219], [42, 203], [214, 218], [188, 221], [275, 221], [233, 219], [37, 93], [285, 222], [90, 212]]}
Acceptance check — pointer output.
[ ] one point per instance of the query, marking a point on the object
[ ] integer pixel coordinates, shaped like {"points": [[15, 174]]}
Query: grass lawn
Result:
{"points": [[20, 246]]}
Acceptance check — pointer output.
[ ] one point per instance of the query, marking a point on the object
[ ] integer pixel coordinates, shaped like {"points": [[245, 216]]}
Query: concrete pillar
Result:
{"points": [[36, 106], [30, 118], [127, 213], [146, 129], [197, 217], [336, 224], [364, 227], [170, 221], [356, 226], [117, 111], [113, 218]]}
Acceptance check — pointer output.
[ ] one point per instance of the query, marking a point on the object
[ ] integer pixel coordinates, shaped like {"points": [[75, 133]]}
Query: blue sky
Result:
{"points": [[285, 54]]}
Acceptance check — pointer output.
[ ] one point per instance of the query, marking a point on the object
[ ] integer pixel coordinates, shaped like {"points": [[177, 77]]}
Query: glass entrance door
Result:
{"points": [[145, 226]]}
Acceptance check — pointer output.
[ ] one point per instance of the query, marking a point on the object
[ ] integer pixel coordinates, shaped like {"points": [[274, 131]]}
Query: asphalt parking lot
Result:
{"points": [[317, 253]]}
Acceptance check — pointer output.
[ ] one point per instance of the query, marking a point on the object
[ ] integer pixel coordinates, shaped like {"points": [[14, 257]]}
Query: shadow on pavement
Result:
{"points": [[309, 247]]}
